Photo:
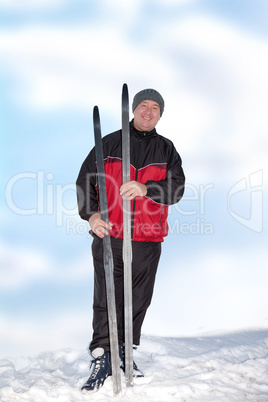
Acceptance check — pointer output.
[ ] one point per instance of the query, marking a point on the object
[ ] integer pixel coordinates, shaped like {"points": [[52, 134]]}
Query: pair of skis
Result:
{"points": [[127, 249]]}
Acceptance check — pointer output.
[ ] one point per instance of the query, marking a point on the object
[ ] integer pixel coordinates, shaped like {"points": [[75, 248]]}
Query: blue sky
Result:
{"points": [[60, 58]]}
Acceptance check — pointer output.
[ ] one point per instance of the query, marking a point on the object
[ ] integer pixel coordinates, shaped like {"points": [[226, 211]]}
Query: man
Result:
{"points": [[157, 181]]}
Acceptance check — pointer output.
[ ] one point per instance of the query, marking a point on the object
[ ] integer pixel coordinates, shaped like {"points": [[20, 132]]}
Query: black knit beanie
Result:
{"points": [[148, 94]]}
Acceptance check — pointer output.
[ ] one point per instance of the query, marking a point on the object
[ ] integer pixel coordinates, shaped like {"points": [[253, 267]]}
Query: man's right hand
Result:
{"points": [[98, 226]]}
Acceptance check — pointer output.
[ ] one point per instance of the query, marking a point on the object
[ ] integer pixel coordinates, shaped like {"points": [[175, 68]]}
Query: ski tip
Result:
{"points": [[125, 88], [125, 99], [95, 111], [96, 115]]}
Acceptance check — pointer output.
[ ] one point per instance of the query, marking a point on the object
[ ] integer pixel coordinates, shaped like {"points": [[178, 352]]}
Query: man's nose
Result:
{"points": [[149, 111]]}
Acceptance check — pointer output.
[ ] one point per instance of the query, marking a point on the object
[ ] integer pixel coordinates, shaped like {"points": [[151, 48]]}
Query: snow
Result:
{"points": [[217, 367]]}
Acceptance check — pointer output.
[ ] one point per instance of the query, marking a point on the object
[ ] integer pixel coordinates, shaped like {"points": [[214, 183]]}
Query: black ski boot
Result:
{"points": [[100, 371], [136, 372]]}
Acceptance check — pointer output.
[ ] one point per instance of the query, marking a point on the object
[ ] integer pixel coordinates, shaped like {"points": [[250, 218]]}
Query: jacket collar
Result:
{"points": [[142, 134]]}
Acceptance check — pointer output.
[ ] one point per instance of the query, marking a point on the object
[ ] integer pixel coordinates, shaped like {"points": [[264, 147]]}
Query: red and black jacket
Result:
{"points": [[154, 162]]}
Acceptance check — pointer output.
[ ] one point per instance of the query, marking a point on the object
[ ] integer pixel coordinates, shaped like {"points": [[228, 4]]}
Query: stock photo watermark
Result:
{"points": [[48, 198], [251, 189]]}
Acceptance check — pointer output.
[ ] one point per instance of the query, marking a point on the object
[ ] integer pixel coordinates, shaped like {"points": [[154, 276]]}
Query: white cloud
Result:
{"points": [[77, 67], [222, 289], [211, 74], [219, 100], [29, 5], [20, 266], [24, 337], [129, 10], [175, 2]]}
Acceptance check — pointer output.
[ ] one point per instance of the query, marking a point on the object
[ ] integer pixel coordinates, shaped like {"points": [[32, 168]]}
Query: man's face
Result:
{"points": [[146, 115]]}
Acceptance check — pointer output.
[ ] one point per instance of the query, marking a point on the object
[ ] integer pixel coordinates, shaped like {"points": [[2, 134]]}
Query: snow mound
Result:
{"points": [[225, 367]]}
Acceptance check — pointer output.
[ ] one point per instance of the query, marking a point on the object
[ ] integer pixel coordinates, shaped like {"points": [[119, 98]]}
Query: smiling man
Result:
{"points": [[157, 181], [147, 115]]}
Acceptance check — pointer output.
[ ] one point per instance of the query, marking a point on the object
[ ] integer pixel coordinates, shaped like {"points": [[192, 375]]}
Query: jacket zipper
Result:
{"points": [[136, 177]]}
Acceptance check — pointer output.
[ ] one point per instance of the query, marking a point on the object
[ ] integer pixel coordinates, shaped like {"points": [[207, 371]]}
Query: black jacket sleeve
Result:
{"points": [[170, 190], [86, 187]]}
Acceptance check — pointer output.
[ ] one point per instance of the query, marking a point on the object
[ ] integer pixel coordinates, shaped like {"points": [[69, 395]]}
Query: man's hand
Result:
{"points": [[132, 189], [98, 226]]}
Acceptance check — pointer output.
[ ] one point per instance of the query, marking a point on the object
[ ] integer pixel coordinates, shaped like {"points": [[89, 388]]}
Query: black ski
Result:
{"points": [[107, 257], [127, 247]]}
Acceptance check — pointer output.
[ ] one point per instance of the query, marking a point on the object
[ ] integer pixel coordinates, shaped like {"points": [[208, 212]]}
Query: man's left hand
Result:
{"points": [[132, 189]]}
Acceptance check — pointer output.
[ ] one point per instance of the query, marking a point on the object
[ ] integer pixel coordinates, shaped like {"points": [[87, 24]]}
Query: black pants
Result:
{"points": [[145, 258]]}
